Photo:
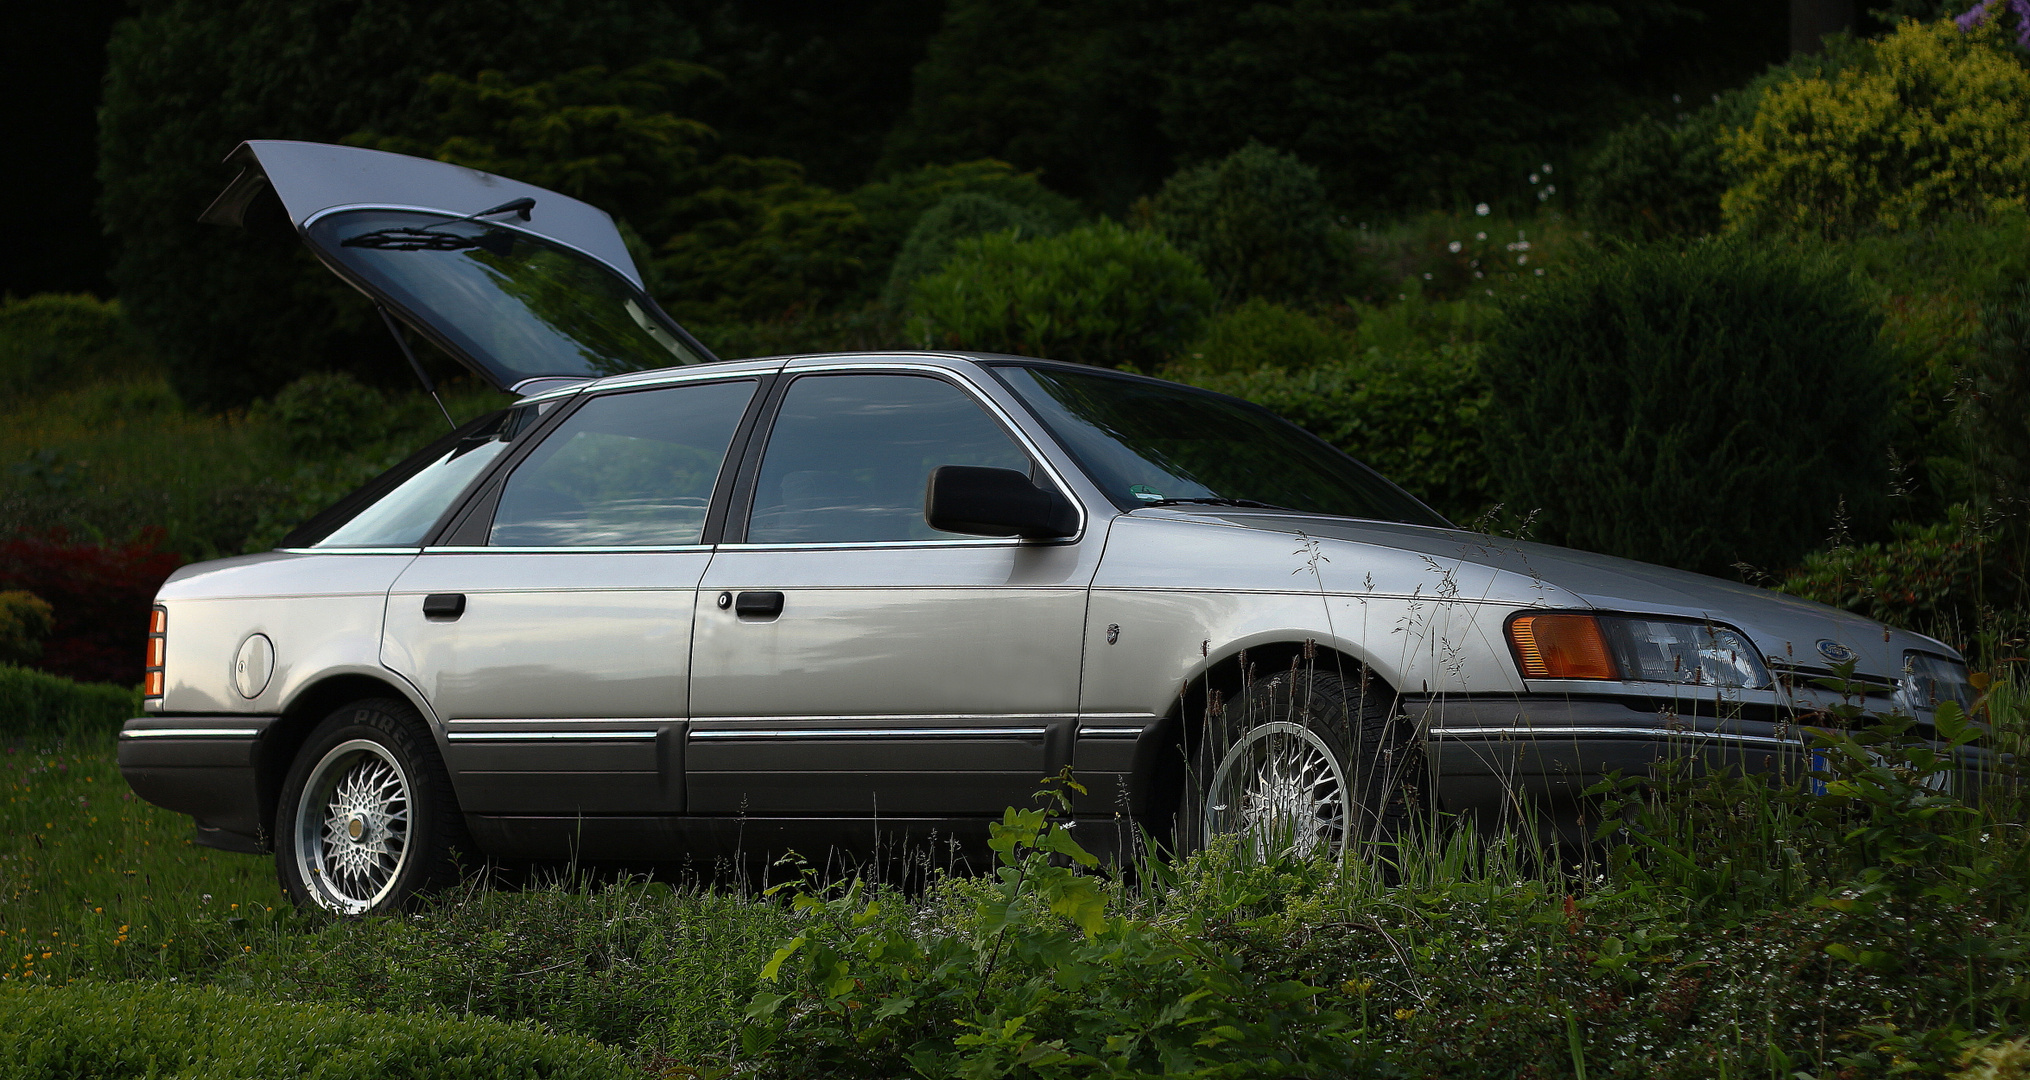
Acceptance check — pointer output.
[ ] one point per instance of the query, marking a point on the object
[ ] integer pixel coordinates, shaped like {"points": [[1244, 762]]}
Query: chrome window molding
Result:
{"points": [[616, 550], [351, 551]]}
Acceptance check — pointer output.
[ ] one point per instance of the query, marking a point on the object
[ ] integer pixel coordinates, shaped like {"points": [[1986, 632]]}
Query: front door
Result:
{"points": [[556, 651], [849, 660]]}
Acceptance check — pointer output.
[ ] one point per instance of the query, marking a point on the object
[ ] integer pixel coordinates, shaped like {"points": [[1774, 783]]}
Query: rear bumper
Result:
{"points": [[203, 766]]}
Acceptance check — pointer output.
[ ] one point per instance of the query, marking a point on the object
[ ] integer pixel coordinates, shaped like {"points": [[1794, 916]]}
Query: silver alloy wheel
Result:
{"points": [[352, 827], [1281, 787]]}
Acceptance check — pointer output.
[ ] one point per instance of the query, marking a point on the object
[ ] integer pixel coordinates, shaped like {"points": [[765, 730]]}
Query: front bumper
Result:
{"points": [[1485, 752], [203, 766]]}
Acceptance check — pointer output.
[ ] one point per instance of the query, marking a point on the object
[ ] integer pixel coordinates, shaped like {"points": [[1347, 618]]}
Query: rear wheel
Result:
{"points": [[1305, 763], [367, 819]]}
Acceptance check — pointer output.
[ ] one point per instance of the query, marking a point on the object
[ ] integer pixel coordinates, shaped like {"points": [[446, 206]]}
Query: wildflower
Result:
{"points": [[1481, 209], [1540, 271], [1521, 259], [1405, 1014], [1454, 247], [1534, 178], [1427, 275], [1480, 236]]}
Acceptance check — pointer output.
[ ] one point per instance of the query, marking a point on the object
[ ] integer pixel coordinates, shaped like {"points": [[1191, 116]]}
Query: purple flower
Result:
{"points": [[1975, 16]]}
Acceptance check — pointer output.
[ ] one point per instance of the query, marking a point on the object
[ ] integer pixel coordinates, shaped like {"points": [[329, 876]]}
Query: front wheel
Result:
{"points": [[1306, 763], [367, 819]]}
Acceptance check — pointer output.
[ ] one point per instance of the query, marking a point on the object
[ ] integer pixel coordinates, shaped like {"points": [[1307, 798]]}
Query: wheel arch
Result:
{"points": [[307, 708], [1157, 781]]}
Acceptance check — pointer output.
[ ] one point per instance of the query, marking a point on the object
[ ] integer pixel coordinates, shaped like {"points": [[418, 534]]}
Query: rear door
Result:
{"points": [[555, 644]]}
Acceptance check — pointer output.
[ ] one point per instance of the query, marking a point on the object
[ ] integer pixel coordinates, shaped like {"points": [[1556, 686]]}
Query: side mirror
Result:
{"points": [[994, 502]]}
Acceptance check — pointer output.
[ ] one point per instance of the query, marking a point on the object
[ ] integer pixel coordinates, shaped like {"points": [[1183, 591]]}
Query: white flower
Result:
{"points": [[1533, 178], [1550, 189], [1547, 168], [1480, 236], [1540, 271], [1481, 209], [1427, 275], [1521, 259], [1454, 247]]}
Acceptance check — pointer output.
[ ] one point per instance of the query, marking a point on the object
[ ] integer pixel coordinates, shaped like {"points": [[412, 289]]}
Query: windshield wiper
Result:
{"points": [[1217, 502]]}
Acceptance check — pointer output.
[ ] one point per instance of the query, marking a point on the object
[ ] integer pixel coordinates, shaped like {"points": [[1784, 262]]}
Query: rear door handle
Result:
{"points": [[758, 605], [444, 606]]}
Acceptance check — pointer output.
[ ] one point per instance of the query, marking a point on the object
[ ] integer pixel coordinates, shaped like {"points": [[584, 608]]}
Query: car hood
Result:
{"points": [[516, 282], [1786, 628]]}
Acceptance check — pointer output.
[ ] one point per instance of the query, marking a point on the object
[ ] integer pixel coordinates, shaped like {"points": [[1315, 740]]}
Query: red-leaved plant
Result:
{"points": [[101, 594]]}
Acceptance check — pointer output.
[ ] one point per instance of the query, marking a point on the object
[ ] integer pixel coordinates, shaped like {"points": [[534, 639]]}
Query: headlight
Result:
{"points": [[1575, 646], [1929, 679]]}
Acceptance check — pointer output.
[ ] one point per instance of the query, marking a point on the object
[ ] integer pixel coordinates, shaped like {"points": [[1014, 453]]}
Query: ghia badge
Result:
{"points": [[1836, 653]]}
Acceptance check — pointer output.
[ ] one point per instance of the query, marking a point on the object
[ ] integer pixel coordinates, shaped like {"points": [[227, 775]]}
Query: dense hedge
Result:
{"points": [[1699, 408], [100, 594], [36, 702], [108, 1032]]}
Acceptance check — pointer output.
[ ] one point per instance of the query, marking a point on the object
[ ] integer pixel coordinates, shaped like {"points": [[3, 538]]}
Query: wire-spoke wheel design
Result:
{"points": [[353, 824], [1304, 763], [367, 818], [1282, 789]]}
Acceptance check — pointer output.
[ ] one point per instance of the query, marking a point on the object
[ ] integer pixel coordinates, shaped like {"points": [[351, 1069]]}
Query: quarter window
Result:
{"points": [[850, 455], [624, 470]]}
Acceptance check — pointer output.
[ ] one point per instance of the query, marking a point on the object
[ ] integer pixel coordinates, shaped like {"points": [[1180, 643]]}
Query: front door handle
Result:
{"points": [[758, 605], [444, 606]]}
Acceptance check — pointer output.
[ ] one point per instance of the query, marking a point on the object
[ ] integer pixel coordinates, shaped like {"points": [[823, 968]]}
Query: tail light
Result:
{"points": [[158, 649]]}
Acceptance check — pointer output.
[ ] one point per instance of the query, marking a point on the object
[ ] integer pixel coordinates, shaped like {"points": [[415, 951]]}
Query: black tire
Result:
{"points": [[1306, 762], [383, 825]]}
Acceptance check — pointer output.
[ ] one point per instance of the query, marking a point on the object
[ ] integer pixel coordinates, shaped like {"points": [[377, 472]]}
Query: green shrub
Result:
{"points": [[1414, 416], [1696, 408], [25, 619], [114, 1031], [59, 340], [1259, 222], [36, 702], [1261, 334], [1936, 121], [936, 235], [893, 205], [328, 414], [1996, 394], [1100, 295], [1929, 578]]}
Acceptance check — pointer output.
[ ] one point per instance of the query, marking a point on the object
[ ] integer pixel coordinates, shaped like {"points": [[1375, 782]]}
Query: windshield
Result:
{"points": [[517, 305], [1149, 443]]}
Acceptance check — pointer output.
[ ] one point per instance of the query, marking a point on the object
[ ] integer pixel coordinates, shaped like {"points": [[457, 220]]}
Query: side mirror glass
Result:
{"points": [[980, 501]]}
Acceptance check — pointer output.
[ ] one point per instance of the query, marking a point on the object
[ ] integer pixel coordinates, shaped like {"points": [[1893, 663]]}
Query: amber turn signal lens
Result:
{"points": [[1561, 647], [158, 650], [151, 684]]}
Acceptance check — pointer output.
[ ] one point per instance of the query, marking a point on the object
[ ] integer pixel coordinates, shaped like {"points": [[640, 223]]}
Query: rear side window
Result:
{"points": [[399, 508], [625, 470]]}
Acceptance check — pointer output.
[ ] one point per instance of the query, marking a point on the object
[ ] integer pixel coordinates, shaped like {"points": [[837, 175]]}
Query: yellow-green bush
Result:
{"points": [[1260, 334], [139, 1030], [1935, 121]]}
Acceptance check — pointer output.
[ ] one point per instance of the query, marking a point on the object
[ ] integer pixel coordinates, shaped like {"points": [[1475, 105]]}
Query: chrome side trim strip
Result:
{"points": [[886, 718], [1110, 732], [191, 733], [571, 720], [573, 736], [1541, 734], [875, 733]]}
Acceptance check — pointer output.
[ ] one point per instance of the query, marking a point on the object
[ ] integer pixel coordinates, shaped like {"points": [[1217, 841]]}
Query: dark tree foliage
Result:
{"points": [[1259, 223], [1997, 394], [235, 315], [1695, 408], [1398, 105]]}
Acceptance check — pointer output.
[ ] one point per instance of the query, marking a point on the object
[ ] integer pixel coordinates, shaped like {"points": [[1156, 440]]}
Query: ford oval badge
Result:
{"points": [[1836, 653]]}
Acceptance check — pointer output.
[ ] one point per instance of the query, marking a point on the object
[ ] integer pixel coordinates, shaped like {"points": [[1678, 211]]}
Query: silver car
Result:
{"points": [[669, 606]]}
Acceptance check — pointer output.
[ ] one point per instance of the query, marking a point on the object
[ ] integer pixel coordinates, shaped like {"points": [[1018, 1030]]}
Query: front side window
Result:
{"points": [[850, 455], [624, 470]]}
